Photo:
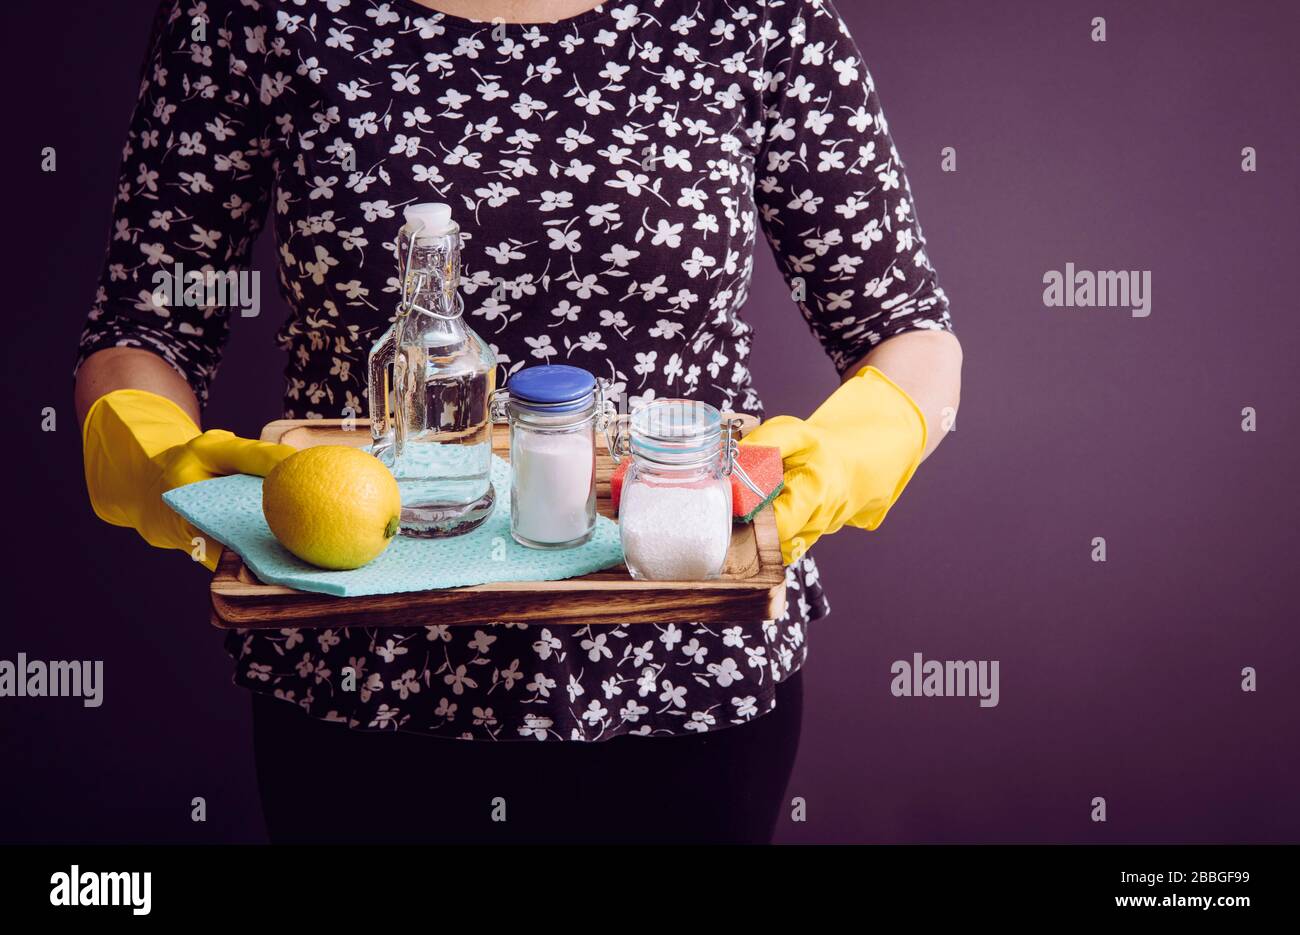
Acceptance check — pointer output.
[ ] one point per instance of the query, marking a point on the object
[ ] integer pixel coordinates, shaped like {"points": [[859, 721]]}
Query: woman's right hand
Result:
{"points": [[137, 445]]}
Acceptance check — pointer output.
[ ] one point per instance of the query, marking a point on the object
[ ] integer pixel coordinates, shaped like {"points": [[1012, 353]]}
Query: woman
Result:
{"points": [[610, 167]]}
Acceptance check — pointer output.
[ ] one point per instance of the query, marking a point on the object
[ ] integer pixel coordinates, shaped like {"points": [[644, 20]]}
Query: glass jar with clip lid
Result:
{"points": [[675, 508]]}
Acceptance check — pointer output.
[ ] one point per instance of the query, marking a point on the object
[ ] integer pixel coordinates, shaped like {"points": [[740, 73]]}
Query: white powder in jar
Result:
{"points": [[552, 485], [675, 533]]}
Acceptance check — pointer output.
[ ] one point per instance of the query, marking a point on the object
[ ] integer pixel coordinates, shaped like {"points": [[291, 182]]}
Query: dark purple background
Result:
{"points": [[1119, 679]]}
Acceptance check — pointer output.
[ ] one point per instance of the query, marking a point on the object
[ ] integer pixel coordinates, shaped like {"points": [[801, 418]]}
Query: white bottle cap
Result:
{"points": [[433, 215]]}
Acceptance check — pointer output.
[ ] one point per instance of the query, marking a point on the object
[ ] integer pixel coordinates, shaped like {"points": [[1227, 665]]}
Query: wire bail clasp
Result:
{"points": [[499, 405], [413, 283], [731, 464], [608, 423]]}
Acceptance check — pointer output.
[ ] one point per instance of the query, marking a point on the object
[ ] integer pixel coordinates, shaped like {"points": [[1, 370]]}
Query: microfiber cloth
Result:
{"points": [[229, 509]]}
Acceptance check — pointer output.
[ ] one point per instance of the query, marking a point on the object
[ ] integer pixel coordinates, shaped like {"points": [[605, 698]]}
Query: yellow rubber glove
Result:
{"points": [[847, 463], [138, 445]]}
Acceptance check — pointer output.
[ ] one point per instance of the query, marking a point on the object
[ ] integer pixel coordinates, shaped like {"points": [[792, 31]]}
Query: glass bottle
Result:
{"points": [[431, 380]]}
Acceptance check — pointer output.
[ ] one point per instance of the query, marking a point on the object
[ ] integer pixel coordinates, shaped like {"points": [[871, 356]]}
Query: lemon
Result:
{"points": [[333, 506]]}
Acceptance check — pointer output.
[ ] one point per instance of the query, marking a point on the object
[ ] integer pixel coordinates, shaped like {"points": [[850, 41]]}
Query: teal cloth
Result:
{"points": [[229, 509]]}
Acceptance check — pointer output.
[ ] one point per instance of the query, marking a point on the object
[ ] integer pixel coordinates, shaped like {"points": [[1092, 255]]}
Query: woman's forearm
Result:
{"points": [[927, 365], [130, 368]]}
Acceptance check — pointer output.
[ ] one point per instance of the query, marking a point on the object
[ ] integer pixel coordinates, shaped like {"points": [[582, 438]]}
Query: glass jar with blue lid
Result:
{"points": [[552, 411]]}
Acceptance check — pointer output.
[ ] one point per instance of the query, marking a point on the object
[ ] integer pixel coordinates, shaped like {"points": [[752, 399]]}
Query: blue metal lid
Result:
{"points": [[558, 387]]}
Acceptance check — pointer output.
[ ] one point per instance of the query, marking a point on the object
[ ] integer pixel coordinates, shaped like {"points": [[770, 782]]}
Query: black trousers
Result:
{"points": [[320, 782]]}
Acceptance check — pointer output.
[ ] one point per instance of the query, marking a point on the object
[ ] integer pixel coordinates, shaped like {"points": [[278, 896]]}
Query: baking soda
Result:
{"points": [[675, 533], [552, 486]]}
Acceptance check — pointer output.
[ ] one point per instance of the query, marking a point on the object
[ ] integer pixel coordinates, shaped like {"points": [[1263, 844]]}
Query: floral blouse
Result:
{"points": [[610, 173]]}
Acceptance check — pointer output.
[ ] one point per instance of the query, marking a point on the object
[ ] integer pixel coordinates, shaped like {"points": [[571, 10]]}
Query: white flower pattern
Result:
{"points": [[611, 173]]}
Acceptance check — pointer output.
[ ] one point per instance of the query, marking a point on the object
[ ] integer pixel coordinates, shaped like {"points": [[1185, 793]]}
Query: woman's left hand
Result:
{"points": [[847, 463]]}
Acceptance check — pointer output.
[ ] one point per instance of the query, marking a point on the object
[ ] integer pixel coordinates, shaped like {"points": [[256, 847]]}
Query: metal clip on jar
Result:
{"points": [[552, 411], [675, 510]]}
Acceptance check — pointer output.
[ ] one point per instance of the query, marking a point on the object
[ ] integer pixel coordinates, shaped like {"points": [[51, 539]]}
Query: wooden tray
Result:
{"points": [[752, 586]]}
